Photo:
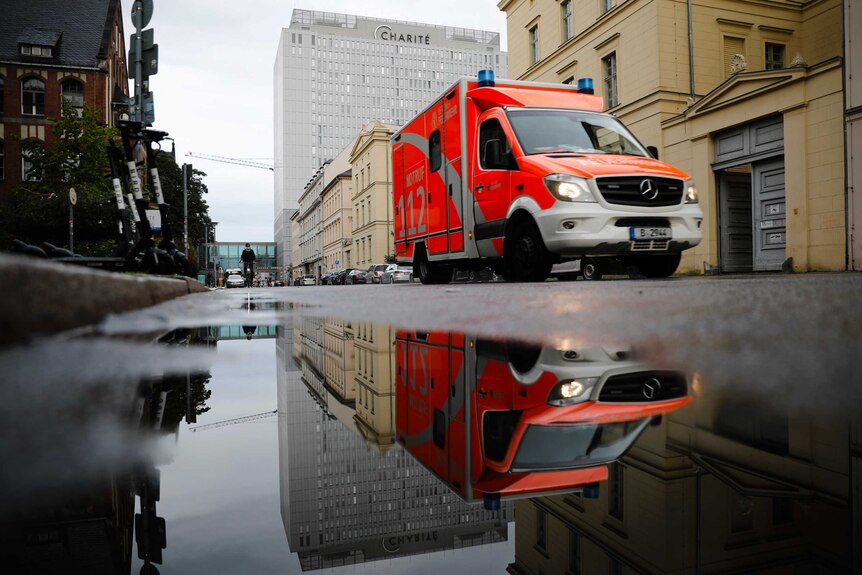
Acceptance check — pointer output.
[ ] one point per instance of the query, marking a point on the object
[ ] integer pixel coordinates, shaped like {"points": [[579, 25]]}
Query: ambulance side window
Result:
{"points": [[495, 153], [434, 155]]}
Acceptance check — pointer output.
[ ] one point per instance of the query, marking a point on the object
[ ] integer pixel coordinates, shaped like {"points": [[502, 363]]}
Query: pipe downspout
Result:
{"points": [[690, 54]]}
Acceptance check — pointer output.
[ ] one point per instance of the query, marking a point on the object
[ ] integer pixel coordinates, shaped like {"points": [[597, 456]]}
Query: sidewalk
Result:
{"points": [[40, 297]]}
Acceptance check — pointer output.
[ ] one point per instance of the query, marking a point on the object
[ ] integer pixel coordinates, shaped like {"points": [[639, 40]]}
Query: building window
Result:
{"points": [[73, 90], [615, 498], [541, 528], [2, 161], [534, 44], [609, 71], [34, 50], [32, 97], [607, 5], [566, 8], [2, 90], [774, 56], [27, 174]]}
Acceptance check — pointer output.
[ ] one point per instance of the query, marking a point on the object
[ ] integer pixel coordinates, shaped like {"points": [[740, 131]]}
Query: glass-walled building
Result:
{"points": [[222, 256]]}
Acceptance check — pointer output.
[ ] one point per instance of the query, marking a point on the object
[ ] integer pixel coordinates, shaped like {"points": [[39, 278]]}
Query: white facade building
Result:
{"points": [[336, 72]]}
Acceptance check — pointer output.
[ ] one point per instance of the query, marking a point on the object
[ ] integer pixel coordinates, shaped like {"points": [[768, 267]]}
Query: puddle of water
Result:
{"points": [[318, 444]]}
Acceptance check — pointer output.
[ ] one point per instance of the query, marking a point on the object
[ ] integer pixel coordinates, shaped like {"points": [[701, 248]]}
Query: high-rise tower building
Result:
{"points": [[336, 72]]}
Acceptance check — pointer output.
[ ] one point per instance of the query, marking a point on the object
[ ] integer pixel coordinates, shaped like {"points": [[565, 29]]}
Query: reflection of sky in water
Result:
{"points": [[220, 493]]}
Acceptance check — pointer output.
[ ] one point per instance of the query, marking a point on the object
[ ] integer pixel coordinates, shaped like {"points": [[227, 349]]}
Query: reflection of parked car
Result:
{"points": [[234, 280], [355, 277], [375, 271], [397, 274], [308, 280]]}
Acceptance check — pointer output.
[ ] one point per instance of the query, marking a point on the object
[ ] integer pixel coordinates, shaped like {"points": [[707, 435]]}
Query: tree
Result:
{"points": [[38, 210]]}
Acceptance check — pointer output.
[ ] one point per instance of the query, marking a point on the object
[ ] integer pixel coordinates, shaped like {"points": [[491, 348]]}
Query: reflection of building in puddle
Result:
{"points": [[728, 485], [338, 367], [343, 503], [374, 374], [496, 420]]}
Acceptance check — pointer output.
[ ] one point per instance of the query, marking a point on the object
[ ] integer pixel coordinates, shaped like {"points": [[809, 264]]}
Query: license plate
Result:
{"points": [[649, 233]]}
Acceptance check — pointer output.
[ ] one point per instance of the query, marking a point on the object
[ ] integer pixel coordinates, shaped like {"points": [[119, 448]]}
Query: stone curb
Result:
{"points": [[40, 297]]}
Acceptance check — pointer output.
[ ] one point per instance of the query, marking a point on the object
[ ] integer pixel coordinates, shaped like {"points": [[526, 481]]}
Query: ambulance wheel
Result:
{"points": [[430, 273], [527, 260], [658, 266], [591, 269]]}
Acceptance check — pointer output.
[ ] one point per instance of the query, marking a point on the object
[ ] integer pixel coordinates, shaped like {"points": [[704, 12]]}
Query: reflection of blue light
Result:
{"points": [[486, 78], [585, 86]]}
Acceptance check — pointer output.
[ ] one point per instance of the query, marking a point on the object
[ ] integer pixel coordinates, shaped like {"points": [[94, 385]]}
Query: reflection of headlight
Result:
{"points": [[690, 192], [572, 391], [569, 188]]}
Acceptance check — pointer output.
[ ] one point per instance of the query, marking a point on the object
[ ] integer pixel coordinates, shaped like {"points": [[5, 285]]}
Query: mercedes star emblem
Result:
{"points": [[649, 189], [651, 388]]}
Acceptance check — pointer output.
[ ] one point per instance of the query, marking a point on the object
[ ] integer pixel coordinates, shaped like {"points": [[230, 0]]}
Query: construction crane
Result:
{"points": [[237, 161], [234, 421]]}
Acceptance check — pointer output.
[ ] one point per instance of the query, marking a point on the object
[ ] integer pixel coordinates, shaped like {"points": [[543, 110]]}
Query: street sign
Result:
{"points": [[155, 219], [142, 10], [149, 112], [149, 62], [73, 197]]}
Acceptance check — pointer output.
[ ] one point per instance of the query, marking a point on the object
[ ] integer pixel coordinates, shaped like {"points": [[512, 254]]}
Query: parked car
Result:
{"points": [[342, 276], [308, 280], [355, 277], [327, 278], [397, 274], [234, 280], [375, 271], [278, 283]]}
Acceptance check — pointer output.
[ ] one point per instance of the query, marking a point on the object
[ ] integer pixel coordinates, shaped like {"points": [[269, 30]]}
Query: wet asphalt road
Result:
{"points": [[780, 331]]}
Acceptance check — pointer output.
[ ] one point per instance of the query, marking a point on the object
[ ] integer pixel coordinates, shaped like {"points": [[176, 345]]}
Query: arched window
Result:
{"points": [[33, 97], [73, 90]]}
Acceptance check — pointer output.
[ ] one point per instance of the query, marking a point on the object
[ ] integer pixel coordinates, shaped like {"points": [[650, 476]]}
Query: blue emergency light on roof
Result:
{"points": [[486, 78], [585, 86]]}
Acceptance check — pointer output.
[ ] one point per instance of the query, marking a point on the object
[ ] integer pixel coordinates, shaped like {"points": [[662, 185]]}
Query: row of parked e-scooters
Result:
{"points": [[136, 248]]}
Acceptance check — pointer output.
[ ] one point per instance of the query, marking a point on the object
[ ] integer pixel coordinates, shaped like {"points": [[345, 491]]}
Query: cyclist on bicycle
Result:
{"points": [[247, 258]]}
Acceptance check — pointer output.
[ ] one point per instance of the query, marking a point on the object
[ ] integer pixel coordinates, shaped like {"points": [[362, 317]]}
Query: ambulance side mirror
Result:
{"points": [[653, 151], [492, 154]]}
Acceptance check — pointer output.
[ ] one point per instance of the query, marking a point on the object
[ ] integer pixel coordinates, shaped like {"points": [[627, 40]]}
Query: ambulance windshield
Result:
{"points": [[548, 131], [571, 446]]}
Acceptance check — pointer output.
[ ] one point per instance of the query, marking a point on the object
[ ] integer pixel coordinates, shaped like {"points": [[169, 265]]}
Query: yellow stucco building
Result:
{"points": [[745, 95]]}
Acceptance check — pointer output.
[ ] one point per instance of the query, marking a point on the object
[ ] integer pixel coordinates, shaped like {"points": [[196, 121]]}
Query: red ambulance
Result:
{"points": [[499, 421], [520, 176]]}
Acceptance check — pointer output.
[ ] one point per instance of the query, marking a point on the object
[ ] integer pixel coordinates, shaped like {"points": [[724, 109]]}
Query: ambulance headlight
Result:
{"points": [[569, 188], [690, 192], [572, 391]]}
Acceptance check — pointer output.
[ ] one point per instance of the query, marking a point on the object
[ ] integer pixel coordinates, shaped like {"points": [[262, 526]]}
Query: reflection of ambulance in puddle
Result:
{"points": [[495, 420]]}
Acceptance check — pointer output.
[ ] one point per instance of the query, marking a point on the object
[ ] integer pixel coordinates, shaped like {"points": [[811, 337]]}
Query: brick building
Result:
{"points": [[50, 50]]}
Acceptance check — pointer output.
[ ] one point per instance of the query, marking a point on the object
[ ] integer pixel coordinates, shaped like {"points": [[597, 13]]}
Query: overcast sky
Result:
{"points": [[213, 92]]}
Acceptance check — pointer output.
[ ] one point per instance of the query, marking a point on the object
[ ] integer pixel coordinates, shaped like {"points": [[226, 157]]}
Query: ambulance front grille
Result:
{"points": [[632, 191]]}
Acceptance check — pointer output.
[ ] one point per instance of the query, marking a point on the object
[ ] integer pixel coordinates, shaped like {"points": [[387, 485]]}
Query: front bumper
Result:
{"points": [[598, 230]]}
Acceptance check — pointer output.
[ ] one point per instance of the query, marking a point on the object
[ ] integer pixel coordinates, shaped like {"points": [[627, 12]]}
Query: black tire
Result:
{"points": [[430, 273], [527, 260], [658, 266], [591, 269]]}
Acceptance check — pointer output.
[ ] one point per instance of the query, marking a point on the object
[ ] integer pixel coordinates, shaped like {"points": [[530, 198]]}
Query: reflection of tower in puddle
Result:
{"points": [[343, 500], [729, 484]]}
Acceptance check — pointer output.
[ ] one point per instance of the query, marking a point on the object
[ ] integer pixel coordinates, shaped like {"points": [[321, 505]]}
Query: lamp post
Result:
{"points": [[207, 251]]}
